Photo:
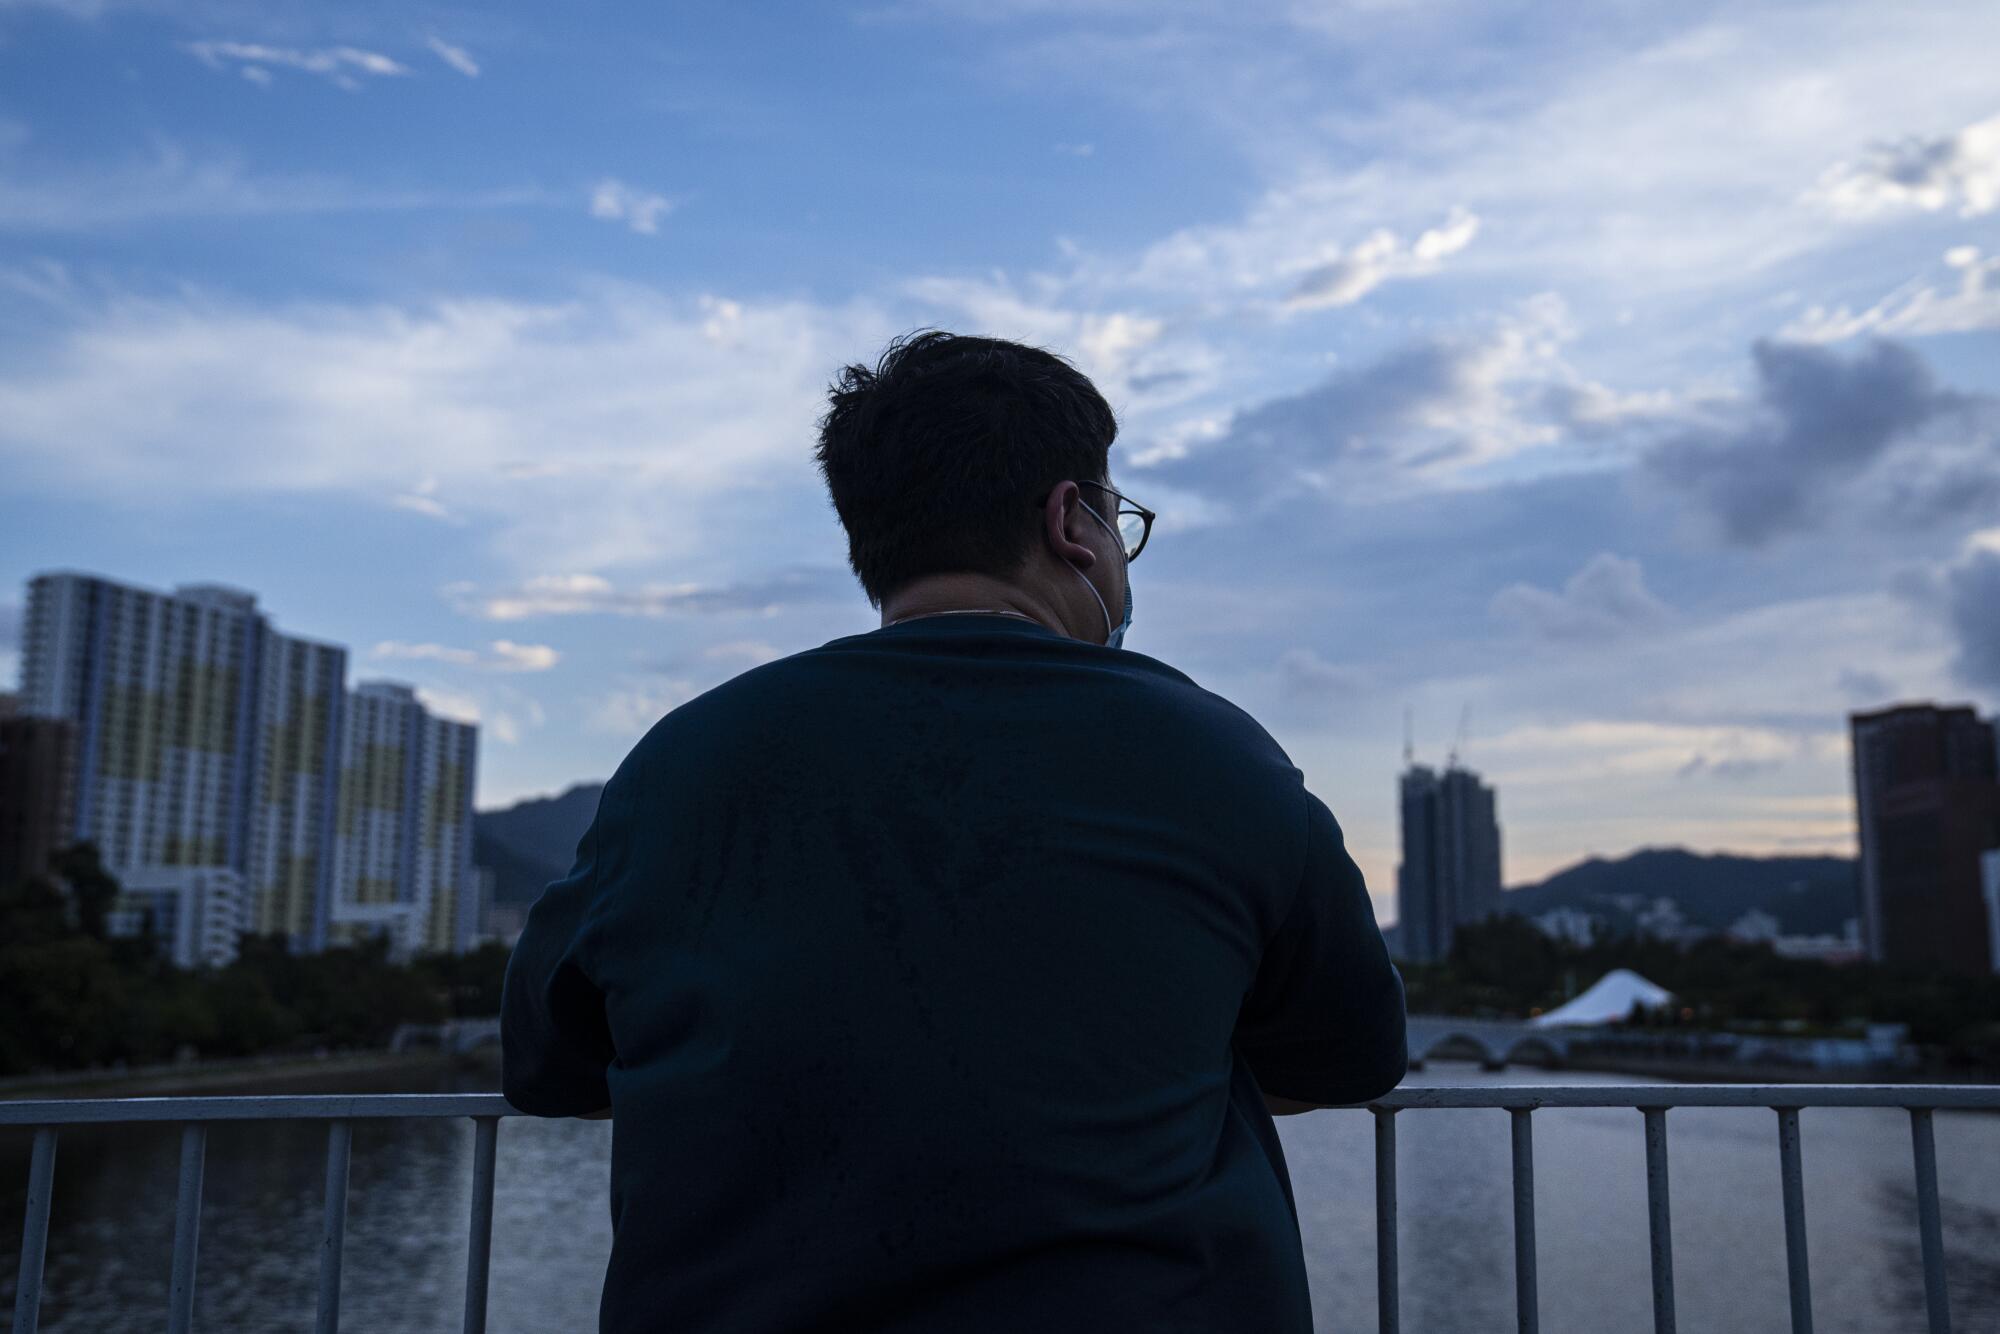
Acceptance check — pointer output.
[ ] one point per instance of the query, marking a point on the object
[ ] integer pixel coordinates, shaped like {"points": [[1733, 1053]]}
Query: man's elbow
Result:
{"points": [[1389, 1075], [1358, 1088], [539, 1091]]}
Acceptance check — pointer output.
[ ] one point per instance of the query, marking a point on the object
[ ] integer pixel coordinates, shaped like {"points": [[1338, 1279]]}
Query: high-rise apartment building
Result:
{"points": [[207, 739], [403, 834], [1927, 797], [1450, 873]]}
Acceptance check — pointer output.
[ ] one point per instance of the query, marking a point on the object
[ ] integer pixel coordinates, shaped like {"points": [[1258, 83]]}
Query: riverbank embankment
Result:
{"points": [[422, 1071]]}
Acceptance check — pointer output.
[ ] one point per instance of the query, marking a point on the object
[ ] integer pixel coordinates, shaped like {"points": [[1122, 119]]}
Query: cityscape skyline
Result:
{"points": [[365, 868]]}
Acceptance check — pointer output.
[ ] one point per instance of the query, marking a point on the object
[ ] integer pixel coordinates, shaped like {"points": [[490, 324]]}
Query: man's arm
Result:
{"points": [[1323, 1025], [555, 1041]]}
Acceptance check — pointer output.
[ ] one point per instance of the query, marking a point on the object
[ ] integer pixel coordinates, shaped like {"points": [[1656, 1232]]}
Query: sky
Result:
{"points": [[1616, 398]]}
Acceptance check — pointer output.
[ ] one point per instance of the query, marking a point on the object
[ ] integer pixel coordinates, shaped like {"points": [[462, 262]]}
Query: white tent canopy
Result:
{"points": [[1609, 1001]]}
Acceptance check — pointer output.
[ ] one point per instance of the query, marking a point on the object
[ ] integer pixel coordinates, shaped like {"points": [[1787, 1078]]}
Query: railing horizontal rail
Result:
{"points": [[1519, 1097], [1531, 1097]]}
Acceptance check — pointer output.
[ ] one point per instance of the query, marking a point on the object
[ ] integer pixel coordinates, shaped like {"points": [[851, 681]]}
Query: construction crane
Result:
{"points": [[1409, 738], [1458, 744]]}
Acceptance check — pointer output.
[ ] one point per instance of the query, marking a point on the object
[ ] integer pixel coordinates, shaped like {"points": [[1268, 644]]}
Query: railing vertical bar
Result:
{"points": [[1661, 1219], [187, 1229], [339, 1148], [1527, 1304], [1388, 1300], [1795, 1219], [479, 1249], [1937, 1299], [35, 1232]]}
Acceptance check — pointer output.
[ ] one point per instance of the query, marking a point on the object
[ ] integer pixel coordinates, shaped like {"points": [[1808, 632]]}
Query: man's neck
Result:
{"points": [[937, 593]]}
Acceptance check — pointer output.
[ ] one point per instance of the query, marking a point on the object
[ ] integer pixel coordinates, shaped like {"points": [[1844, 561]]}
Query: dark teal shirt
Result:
{"points": [[932, 975]]}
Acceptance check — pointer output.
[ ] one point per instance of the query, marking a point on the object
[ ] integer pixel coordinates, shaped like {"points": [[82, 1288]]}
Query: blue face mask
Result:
{"points": [[1114, 634]]}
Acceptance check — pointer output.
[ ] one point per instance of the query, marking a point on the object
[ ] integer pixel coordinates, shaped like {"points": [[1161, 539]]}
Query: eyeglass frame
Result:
{"points": [[1146, 516]]}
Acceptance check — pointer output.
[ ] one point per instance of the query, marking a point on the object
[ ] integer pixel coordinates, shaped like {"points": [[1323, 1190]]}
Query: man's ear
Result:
{"points": [[1062, 511]]}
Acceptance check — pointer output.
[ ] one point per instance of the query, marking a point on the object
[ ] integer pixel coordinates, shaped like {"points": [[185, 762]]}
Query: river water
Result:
{"points": [[112, 1226]]}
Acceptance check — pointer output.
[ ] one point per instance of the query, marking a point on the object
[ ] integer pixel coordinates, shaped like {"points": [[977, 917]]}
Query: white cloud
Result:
{"points": [[1916, 308], [1563, 754], [752, 652], [450, 704], [422, 499], [1590, 165], [1342, 277], [1604, 600], [455, 56], [1129, 355], [390, 648], [632, 709], [594, 595], [1302, 672], [1433, 412], [640, 210], [524, 657], [340, 65], [1961, 170], [501, 655], [174, 183], [615, 427]]}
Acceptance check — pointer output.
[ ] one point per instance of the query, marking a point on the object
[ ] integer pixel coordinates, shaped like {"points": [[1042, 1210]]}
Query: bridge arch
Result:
{"points": [[1459, 1045], [1546, 1052]]}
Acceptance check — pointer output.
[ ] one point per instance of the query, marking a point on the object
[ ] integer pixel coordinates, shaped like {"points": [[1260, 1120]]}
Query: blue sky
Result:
{"points": [[1629, 381]]}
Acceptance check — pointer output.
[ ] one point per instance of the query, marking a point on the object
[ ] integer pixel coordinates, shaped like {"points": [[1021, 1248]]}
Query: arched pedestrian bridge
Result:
{"points": [[1494, 1043]]}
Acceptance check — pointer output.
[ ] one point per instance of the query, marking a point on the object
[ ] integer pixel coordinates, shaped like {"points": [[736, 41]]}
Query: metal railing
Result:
{"points": [[1520, 1102]]}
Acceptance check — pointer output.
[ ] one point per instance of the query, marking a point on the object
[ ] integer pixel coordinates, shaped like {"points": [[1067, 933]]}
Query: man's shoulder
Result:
{"points": [[1129, 681], [1192, 701]]}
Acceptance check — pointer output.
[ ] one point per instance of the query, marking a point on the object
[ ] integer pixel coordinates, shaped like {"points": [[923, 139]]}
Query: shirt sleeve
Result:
{"points": [[555, 1042], [1323, 1021]]}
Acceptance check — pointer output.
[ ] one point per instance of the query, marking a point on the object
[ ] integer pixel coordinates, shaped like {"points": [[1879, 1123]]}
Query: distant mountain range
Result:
{"points": [[1810, 896], [530, 844]]}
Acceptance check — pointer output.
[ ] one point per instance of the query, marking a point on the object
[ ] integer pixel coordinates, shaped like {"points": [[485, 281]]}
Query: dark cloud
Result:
{"points": [[1375, 416], [1820, 421], [1920, 172], [1728, 769], [1927, 492], [1973, 589]]}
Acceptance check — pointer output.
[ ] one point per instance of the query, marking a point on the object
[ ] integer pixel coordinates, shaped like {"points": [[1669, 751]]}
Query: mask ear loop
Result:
{"points": [[1102, 609]]}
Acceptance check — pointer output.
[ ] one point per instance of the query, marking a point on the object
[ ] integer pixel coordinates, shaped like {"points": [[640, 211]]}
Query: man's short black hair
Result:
{"points": [[936, 458]]}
